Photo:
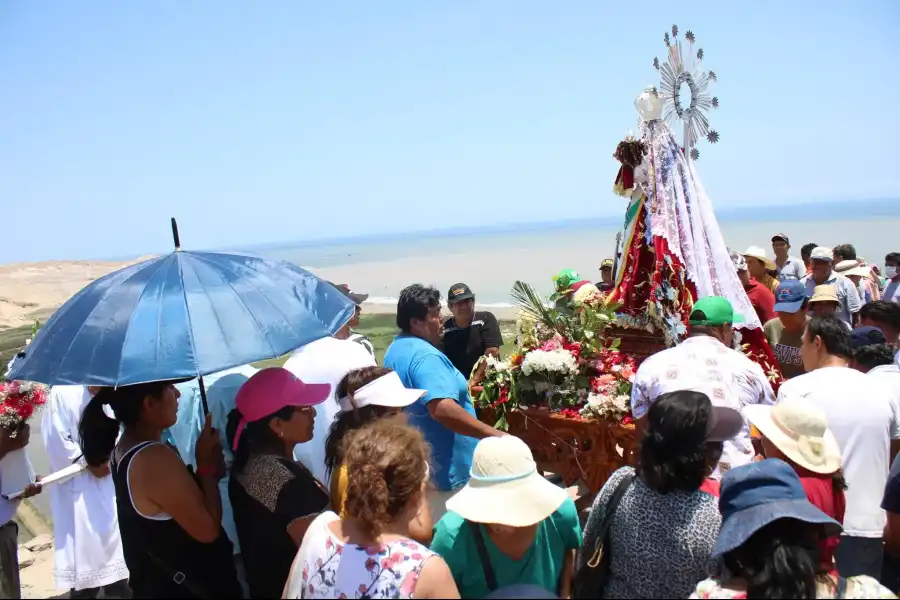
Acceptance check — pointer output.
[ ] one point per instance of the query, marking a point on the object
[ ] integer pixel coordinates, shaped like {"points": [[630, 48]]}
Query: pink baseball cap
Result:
{"points": [[270, 390]]}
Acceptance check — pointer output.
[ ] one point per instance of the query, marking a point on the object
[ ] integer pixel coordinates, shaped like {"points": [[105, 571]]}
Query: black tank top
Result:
{"points": [[163, 560]]}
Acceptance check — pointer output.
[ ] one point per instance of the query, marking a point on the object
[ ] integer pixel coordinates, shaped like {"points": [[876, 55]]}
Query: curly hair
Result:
{"points": [[674, 454], [348, 421], [387, 463]]}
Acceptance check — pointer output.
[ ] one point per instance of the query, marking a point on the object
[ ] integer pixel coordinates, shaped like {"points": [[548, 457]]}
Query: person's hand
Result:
{"points": [[32, 489], [100, 471], [10, 442], [208, 450]]}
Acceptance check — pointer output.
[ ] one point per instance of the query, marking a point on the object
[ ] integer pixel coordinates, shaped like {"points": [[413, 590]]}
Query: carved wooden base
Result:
{"points": [[575, 449]]}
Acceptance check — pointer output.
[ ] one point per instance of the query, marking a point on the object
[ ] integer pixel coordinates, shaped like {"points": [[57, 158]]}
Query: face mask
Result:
{"points": [[890, 272]]}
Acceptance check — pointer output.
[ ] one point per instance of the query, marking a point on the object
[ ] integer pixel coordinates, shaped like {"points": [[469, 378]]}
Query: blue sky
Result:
{"points": [[263, 122]]}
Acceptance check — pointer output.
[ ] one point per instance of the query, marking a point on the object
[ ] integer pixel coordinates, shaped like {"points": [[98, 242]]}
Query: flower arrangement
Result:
{"points": [[18, 402], [564, 361]]}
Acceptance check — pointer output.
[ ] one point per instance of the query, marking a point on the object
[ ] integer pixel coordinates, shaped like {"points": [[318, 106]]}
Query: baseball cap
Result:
{"points": [[459, 292], [270, 390], [780, 237], [387, 390], [866, 336], [789, 296], [606, 264], [825, 293], [822, 253], [715, 310], [345, 290]]}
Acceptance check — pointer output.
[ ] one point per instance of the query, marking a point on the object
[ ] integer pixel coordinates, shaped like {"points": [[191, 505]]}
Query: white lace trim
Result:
{"points": [[681, 212]]}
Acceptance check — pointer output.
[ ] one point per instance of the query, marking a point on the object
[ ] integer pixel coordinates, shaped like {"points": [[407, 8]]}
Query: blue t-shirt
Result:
{"points": [[422, 366]]}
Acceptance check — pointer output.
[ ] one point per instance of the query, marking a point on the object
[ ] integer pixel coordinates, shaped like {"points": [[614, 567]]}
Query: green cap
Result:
{"points": [[566, 278], [717, 310]]}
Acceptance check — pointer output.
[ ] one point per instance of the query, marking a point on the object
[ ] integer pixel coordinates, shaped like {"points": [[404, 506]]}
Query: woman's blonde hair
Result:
{"points": [[387, 463]]}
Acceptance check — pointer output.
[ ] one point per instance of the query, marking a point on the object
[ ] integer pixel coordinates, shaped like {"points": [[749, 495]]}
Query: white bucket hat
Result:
{"points": [[800, 430], [387, 390], [757, 252], [505, 487]]}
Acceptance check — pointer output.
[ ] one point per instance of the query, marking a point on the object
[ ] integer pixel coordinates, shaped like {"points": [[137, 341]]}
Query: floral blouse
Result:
{"points": [[325, 567]]}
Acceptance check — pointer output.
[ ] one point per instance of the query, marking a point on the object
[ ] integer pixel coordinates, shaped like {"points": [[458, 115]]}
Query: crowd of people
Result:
{"points": [[334, 477]]}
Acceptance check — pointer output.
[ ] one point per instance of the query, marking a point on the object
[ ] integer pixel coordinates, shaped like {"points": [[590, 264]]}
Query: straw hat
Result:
{"points": [[505, 487], [799, 429], [759, 253], [825, 293]]}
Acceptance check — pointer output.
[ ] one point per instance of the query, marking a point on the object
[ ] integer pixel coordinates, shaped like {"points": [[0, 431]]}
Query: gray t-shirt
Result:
{"points": [[793, 268]]}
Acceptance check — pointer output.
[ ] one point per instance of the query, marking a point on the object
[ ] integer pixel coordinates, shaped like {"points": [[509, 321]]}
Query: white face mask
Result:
{"points": [[890, 272]]}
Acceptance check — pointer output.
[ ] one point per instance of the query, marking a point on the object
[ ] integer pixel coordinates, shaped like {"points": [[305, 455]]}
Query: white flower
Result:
{"points": [[498, 365], [584, 293], [552, 361]]}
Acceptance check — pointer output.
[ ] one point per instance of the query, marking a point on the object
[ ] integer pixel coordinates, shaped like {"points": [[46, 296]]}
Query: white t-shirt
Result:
{"points": [[862, 418], [326, 360], [701, 363]]}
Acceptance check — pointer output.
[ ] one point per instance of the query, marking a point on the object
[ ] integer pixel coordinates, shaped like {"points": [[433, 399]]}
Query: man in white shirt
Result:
{"points": [[891, 292], [706, 358], [326, 360], [788, 267], [862, 418], [823, 274]]}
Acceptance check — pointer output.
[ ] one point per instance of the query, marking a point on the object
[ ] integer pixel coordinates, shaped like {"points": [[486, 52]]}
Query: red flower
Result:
{"points": [[370, 564], [628, 420], [573, 348], [504, 395]]}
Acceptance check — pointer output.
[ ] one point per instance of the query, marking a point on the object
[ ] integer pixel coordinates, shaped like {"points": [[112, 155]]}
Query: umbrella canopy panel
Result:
{"points": [[182, 315]]}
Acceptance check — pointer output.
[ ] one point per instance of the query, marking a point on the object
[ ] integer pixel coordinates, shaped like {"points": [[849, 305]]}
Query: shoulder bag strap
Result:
{"points": [[489, 575], [608, 515], [841, 587]]}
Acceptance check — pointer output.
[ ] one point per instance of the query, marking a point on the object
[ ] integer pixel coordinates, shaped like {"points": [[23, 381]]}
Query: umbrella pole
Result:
{"points": [[203, 397]]}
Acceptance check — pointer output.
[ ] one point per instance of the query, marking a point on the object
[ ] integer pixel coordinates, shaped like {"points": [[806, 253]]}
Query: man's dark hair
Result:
{"points": [[414, 303], [845, 251], [806, 250], [874, 355], [674, 454], [881, 311], [834, 334], [893, 257]]}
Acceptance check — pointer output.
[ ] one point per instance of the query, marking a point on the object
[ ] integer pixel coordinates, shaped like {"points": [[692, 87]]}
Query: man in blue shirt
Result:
{"points": [[445, 414]]}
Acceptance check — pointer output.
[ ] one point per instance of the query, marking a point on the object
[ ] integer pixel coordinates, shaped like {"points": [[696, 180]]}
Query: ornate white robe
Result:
{"points": [[88, 548]]}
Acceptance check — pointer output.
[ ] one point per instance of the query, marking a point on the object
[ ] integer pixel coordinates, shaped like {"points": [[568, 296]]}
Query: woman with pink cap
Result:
{"points": [[274, 498]]}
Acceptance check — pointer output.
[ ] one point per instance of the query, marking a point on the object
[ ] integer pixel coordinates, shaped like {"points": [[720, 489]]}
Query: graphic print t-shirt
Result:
{"points": [[786, 347]]}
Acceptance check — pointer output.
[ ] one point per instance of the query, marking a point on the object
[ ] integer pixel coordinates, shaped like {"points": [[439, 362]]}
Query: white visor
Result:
{"points": [[387, 390]]}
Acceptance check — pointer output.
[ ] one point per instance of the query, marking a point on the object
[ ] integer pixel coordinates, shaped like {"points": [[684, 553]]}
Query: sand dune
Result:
{"points": [[35, 290]]}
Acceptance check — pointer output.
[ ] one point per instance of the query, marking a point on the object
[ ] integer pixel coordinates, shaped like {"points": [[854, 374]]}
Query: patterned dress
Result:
{"points": [[660, 543], [857, 587], [325, 567]]}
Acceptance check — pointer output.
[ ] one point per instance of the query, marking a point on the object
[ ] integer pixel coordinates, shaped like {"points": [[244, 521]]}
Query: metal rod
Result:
{"points": [[177, 243], [202, 389]]}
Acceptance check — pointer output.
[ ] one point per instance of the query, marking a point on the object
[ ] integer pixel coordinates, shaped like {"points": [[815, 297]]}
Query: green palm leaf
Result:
{"points": [[526, 298]]}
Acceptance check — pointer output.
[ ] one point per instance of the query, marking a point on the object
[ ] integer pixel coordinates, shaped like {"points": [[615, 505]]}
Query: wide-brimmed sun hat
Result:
{"points": [[759, 253], [505, 487], [825, 293], [799, 429], [388, 390], [754, 495]]}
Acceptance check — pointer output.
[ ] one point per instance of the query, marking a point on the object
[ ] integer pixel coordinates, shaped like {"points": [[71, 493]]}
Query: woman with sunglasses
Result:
{"points": [[274, 499]]}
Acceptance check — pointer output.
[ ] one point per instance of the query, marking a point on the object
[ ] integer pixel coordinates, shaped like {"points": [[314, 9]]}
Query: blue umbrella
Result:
{"points": [[180, 316]]}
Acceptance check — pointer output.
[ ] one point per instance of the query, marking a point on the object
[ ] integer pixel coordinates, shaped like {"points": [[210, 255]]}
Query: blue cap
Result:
{"points": [[866, 336], [789, 296], [754, 495]]}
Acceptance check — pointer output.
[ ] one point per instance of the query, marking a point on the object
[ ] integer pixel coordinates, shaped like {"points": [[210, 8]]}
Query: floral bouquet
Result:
{"points": [[564, 358], [18, 402]]}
